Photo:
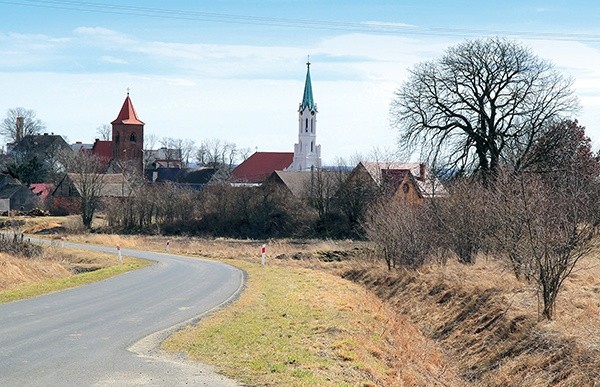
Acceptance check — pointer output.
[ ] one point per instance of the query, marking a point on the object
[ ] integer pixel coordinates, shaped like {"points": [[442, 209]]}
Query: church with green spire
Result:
{"points": [[307, 154]]}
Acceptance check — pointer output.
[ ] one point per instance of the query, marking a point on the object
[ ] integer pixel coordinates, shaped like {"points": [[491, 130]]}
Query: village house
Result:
{"points": [[408, 182], [15, 196]]}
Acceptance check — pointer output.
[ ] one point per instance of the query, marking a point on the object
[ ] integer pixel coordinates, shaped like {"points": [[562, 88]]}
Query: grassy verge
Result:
{"points": [[294, 326], [36, 288]]}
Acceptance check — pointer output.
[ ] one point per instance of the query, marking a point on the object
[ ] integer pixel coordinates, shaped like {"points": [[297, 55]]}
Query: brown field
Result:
{"points": [[445, 324]]}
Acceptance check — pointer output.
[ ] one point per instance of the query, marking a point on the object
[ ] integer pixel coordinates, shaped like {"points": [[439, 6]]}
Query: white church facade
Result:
{"points": [[307, 153]]}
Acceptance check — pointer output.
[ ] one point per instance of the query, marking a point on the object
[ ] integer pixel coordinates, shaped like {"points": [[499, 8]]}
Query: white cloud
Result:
{"points": [[103, 35], [113, 60]]}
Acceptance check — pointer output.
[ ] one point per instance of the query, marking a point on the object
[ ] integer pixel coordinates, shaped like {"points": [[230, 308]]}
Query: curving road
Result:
{"points": [[107, 333]]}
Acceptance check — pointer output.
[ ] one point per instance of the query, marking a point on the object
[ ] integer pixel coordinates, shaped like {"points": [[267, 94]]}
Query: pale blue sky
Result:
{"points": [[235, 70]]}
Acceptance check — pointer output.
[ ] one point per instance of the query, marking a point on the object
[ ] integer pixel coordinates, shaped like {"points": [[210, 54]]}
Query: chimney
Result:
{"points": [[422, 171], [20, 125]]}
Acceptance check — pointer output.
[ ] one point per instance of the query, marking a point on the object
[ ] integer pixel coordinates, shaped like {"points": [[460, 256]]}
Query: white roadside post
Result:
{"points": [[263, 251], [119, 252], [168, 243]]}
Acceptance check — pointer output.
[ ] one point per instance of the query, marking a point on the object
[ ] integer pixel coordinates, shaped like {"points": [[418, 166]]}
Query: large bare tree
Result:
{"points": [[482, 104], [20, 122]]}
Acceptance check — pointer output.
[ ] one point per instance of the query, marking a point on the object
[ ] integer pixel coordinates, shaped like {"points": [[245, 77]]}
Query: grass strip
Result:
{"points": [[33, 289], [292, 327]]}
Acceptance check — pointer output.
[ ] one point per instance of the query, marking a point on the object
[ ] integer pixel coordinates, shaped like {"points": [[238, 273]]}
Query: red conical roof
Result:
{"points": [[127, 114]]}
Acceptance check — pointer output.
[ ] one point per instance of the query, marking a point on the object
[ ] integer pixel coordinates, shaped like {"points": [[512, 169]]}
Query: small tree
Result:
{"points": [[558, 222]]}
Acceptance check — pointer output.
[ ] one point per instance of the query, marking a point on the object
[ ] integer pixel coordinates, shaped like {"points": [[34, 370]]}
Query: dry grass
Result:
{"points": [[56, 269], [488, 321], [15, 271]]}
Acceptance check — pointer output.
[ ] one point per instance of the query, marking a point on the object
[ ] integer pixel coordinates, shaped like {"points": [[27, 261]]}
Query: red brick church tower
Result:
{"points": [[128, 139]]}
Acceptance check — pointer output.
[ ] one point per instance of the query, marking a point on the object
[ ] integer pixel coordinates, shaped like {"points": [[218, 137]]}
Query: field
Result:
{"points": [[328, 313]]}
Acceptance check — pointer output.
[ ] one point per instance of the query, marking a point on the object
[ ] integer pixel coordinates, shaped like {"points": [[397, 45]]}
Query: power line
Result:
{"points": [[365, 27]]}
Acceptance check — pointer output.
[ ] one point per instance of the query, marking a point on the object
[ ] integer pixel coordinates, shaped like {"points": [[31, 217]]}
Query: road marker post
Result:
{"points": [[263, 252], [119, 252], [168, 244]]}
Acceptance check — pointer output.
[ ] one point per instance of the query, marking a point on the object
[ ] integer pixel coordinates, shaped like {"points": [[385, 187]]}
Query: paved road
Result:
{"points": [[107, 333]]}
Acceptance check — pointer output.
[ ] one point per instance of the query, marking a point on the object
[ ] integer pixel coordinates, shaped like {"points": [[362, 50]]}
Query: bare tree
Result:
{"points": [[481, 105], [555, 222], [217, 153], [86, 173], [186, 150], [20, 122], [244, 153], [105, 132], [150, 142]]}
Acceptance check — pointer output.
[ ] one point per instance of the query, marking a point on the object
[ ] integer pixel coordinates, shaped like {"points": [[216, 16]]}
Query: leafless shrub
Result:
{"points": [[400, 233], [461, 220], [545, 228]]}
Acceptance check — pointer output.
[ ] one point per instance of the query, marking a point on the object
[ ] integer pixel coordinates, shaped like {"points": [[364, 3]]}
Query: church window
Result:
{"points": [[306, 125], [312, 146], [132, 138], [117, 139], [312, 126]]}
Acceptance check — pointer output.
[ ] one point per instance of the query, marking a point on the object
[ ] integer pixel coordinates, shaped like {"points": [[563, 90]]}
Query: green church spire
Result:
{"points": [[307, 99]]}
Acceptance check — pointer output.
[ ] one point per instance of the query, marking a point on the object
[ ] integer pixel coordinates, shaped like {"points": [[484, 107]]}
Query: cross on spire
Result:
{"points": [[128, 91]]}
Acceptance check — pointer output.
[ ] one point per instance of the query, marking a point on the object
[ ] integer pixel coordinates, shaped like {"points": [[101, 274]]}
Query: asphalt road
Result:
{"points": [[107, 333]]}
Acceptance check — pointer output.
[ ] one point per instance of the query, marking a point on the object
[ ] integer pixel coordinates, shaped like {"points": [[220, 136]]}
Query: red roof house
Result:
{"points": [[258, 167]]}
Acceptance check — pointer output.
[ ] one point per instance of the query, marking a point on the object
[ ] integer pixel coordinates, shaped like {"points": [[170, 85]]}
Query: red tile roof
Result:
{"points": [[256, 168], [41, 189], [127, 114], [102, 150]]}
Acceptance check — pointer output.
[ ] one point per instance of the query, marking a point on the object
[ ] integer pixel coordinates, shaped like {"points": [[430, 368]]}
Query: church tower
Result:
{"points": [[128, 138], [307, 154]]}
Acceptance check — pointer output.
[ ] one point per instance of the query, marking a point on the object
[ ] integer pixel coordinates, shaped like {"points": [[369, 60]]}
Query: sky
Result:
{"points": [[235, 70]]}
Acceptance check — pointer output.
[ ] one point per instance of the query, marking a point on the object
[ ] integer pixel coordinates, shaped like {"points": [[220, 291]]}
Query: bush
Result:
{"points": [[18, 245]]}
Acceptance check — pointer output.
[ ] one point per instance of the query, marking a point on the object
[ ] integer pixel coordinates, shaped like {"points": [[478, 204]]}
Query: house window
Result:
{"points": [[405, 188], [132, 138]]}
